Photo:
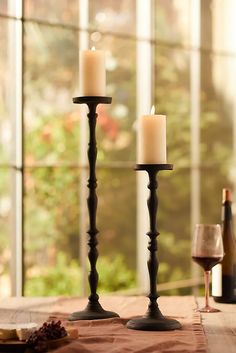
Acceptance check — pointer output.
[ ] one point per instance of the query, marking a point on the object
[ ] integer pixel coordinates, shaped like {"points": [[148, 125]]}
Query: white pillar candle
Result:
{"points": [[92, 73], [152, 139]]}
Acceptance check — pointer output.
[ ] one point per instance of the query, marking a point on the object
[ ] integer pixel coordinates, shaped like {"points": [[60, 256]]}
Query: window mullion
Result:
{"points": [[144, 95], [16, 112], [195, 118], [83, 44]]}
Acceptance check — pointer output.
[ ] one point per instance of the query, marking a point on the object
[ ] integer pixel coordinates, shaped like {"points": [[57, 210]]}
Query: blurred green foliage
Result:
{"points": [[114, 275], [64, 278]]}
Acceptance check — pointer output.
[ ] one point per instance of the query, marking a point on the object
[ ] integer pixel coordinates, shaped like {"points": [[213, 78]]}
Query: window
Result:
{"points": [[170, 53]]}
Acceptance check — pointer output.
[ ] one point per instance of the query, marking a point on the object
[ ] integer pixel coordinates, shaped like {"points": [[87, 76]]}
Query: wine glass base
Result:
{"points": [[208, 309]]}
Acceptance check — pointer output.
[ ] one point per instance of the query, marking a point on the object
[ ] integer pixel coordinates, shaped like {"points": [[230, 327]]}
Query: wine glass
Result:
{"points": [[207, 251]]}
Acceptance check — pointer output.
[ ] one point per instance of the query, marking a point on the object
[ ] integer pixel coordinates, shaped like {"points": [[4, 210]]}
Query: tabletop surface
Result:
{"points": [[219, 328]]}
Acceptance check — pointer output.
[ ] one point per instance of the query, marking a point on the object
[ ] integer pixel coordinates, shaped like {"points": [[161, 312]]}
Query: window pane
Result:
{"points": [[116, 125], [112, 16], [4, 7], [218, 118], [223, 12], [172, 21], [52, 228], [174, 227], [214, 179], [9, 7], [117, 222], [117, 213], [51, 231], [5, 231], [61, 11], [218, 25], [218, 110], [172, 97], [51, 119]]}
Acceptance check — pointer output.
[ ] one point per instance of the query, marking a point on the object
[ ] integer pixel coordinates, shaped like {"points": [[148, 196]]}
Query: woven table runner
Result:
{"points": [[111, 335]]}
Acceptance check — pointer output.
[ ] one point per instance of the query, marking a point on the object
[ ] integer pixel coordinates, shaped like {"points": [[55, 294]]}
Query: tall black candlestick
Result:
{"points": [[93, 309], [153, 320]]}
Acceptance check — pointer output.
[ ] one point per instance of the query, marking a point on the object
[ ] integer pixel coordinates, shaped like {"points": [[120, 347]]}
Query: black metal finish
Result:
{"points": [[153, 167], [93, 100], [153, 320], [93, 309]]}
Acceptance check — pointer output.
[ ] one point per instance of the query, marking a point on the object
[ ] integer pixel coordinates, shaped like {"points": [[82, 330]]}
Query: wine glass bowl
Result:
{"points": [[207, 251]]}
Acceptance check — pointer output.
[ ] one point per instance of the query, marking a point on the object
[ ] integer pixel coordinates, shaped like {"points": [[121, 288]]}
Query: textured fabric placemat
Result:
{"points": [[111, 335]]}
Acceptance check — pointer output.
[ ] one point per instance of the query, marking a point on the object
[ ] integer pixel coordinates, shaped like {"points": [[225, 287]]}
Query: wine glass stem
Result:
{"points": [[207, 280]]}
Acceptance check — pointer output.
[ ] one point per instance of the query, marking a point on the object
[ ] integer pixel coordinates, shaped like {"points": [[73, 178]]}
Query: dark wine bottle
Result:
{"points": [[224, 274]]}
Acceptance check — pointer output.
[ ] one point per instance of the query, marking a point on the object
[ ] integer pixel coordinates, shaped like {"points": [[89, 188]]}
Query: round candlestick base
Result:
{"points": [[153, 320], [153, 324], [93, 311]]}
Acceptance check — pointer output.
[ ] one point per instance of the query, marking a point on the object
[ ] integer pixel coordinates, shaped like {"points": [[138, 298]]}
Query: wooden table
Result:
{"points": [[219, 328]]}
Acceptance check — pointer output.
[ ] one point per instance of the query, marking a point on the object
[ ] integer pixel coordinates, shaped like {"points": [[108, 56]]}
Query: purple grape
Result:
{"points": [[48, 331]]}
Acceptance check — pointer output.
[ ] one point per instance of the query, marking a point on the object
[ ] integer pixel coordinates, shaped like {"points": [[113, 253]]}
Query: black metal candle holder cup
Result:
{"points": [[93, 309], [153, 320]]}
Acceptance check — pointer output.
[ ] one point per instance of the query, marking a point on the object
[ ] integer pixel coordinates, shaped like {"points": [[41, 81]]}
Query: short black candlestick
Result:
{"points": [[93, 309], [153, 320]]}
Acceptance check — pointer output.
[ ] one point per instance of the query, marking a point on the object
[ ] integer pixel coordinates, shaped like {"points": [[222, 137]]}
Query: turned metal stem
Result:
{"points": [[92, 203], [152, 263]]}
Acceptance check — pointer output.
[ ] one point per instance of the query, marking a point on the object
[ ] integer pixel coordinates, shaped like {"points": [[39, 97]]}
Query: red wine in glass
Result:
{"points": [[207, 251], [207, 262]]}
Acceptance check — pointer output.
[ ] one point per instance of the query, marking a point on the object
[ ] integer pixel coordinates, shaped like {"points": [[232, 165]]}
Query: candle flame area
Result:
{"points": [[93, 48], [153, 110]]}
